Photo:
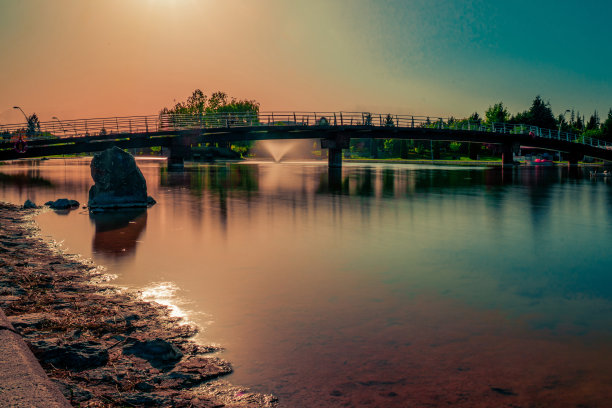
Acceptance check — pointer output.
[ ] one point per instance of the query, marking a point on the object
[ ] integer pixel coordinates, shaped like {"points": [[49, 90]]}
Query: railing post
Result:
{"points": [[294, 119], [440, 123], [341, 120], [380, 120], [335, 123], [146, 125], [412, 122], [117, 123], [130, 125]]}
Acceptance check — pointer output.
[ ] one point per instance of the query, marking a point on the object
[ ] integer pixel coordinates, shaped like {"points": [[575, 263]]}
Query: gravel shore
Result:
{"points": [[103, 345]]}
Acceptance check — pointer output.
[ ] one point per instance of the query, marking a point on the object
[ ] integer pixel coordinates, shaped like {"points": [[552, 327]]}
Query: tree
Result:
{"points": [[389, 121], [475, 117], [593, 122], [497, 114], [33, 125], [539, 114], [606, 127]]}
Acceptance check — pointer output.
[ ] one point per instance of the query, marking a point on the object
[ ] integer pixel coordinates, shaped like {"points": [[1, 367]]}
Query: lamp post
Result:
{"points": [[62, 126], [560, 125], [60, 123], [24, 115]]}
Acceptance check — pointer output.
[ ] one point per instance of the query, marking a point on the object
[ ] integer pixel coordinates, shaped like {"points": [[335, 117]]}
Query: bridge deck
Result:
{"points": [[91, 135]]}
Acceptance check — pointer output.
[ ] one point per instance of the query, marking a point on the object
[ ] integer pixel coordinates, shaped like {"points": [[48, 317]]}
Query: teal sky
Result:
{"points": [[73, 58]]}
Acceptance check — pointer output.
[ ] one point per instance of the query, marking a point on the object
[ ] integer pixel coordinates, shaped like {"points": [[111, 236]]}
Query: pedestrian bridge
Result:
{"points": [[178, 132]]}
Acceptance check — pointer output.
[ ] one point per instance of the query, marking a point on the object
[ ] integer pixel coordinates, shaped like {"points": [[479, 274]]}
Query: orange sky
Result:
{"points": [[74, 59]]}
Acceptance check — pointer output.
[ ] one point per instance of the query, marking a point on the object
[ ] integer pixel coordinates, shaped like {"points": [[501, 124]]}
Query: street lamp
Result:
{"points": [[62, 126], [24, 115], [60, 123], [560, 126]]}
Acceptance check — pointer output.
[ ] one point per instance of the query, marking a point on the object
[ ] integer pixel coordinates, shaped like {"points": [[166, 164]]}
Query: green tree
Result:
{"points": [[593, 122], [539, 114], [606, 127], [475, 117], [497, 114]]}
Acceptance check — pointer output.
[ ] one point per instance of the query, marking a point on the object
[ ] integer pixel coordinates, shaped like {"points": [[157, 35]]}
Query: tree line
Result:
{"points": [[540, 114]]}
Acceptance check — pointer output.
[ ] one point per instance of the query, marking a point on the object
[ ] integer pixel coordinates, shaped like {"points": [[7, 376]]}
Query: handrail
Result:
{"points": [[127, 125]]}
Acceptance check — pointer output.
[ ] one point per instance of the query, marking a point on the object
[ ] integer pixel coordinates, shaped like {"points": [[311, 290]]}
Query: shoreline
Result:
{"points": [[104, 346]]}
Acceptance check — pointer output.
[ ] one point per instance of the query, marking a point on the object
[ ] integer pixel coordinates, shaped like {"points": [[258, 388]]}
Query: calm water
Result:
{"points": [[386, 285]]}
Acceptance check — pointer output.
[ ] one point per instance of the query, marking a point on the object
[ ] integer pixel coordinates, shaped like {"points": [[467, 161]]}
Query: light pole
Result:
{"points": [[560, 126], [24, 115], [60, 123], [62, 126]]}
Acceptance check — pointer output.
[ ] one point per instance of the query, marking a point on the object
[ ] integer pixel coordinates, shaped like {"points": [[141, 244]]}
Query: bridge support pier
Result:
{"points": [[507, 154], [180, 150], [573, 158], [335, 144]]}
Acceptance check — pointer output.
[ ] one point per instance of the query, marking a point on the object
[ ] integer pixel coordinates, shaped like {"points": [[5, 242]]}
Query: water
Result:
{"points": [[385, 285]]}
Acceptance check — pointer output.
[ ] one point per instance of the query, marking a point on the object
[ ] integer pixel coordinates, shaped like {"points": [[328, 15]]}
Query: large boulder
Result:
{"points": [[118, 182]]}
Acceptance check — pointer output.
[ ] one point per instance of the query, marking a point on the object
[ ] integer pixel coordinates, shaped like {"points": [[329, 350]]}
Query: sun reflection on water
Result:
{"points": [[165, 293]]}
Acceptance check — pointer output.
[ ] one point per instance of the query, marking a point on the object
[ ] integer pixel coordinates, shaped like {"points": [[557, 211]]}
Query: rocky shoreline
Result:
{"points": [[103, 345]]}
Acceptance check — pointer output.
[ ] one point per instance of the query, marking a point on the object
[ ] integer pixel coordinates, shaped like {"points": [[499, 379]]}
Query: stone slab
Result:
{"points": [[23, 382]]}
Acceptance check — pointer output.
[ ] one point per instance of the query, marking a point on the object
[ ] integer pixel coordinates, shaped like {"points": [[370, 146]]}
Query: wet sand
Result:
{"points": [[103, 345]]}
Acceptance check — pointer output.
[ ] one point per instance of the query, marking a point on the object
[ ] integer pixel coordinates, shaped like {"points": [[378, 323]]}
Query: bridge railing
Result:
{"points": [[124, 127]]}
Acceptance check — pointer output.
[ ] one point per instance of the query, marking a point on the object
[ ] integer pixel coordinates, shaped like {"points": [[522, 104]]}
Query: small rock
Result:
{"points": [[75, 356], [35, 320], [29, 204], [73, 393], [159, 353], [62, 204]]}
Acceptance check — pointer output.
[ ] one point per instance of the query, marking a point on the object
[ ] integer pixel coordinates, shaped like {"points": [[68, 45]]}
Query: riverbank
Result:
{"points": [[102, 345]]}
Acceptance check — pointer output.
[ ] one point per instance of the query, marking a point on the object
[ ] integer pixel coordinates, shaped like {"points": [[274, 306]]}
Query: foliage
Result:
{"points": [[593, 122], [475, 117], [497, 114], [389, 122], [33, 125], [606, 127], [539, 114], [367, 119], [199, 104]]}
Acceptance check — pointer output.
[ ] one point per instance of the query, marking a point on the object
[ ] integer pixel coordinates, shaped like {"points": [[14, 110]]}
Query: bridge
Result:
{"points": [[178, 132]]}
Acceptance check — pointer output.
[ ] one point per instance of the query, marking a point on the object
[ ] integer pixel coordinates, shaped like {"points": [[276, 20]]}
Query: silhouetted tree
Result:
{"points": [[389, 121], [593, 122], [539, 114], [497, 114], [475, 117], [33, 125]]}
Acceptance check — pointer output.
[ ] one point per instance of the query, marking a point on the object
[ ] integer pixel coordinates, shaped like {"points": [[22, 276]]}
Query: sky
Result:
{"points": [[100, 58]]}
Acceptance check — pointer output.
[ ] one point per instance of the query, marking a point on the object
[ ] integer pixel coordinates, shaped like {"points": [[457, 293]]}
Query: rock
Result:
{"points": [[119, 182], [35, 320], [62, 204], [159, 353], [76, 356], [29, 204], [194, 371], [73, 393]]}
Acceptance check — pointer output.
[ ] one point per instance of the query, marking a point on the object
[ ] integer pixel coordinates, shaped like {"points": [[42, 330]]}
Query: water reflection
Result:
{"points": [[117, 232], [328, 288]]}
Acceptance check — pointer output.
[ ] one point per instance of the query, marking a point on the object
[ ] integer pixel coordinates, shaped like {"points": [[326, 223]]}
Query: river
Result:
{"points": [[385, 285]]}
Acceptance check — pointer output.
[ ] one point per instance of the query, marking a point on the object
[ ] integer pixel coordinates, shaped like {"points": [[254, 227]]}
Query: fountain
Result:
{"points": [[277, 148]]}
